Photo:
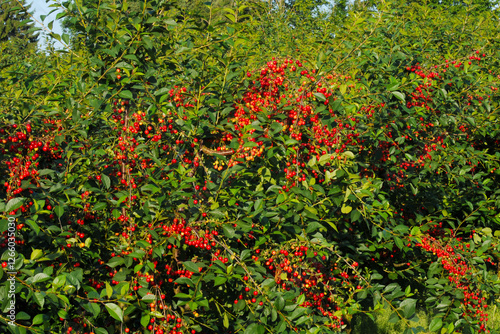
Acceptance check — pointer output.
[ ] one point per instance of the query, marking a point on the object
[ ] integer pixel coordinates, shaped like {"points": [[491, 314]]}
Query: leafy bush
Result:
{"points": [[171, 174]]}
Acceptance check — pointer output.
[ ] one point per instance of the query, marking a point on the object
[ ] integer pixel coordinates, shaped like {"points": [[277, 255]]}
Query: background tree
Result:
{"points": [[16, 24]]}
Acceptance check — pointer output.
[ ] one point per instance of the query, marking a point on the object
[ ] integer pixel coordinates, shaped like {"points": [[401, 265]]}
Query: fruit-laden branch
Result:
{"points": [[208, 151]]}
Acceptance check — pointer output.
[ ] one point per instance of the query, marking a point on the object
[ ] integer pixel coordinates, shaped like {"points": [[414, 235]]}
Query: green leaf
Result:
{"points": [[301, 299], [150, 187], [185, 280], [240, 305], [393, 86], [37, 253], [41, 277], [39, 298], [65, 38], [324, 159], [150, 297], [320, 97], [192, 267], [408, 305], [346, 209], [115, 311], [100, 206], [145, 320], [268, 284], [116, 261], [170, 22], [106, 180], [245, 254], [56, 187], [312, 162], [219, 280], [348, 154], [228, 231], [255, 329], [126, 94], [355, 215], [400, 96], [40, 318], [22, 316], [109, 290], [14, 204], [297, 313], [59, 210], [362, 294], [435, 324], [279, 303]]}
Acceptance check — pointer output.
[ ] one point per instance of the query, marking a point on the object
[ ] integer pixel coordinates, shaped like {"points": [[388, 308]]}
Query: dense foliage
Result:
{"points": [[257, 171]]}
